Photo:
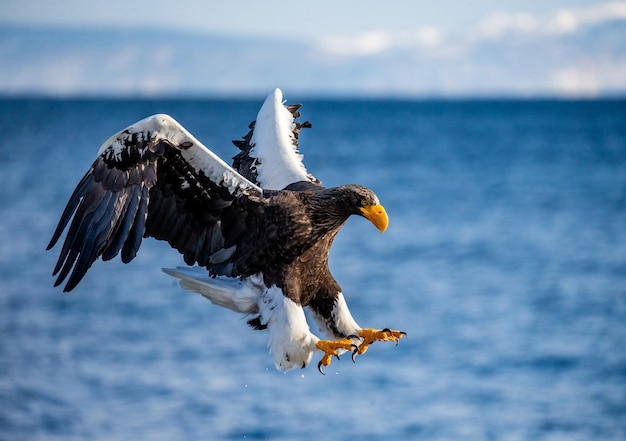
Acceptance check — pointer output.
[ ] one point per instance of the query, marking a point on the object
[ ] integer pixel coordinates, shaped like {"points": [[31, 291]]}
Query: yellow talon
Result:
{"points": [[367, 335], [370, 335], [330, 348]]}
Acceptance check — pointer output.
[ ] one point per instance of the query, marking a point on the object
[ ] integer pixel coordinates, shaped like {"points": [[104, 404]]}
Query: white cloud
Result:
{"points": [[569, 20], [376, 42], [561, 21], [500, 23], [587, 78], [428, 36], [495, 26], [564, 21], [367, 44], [575, 81]]}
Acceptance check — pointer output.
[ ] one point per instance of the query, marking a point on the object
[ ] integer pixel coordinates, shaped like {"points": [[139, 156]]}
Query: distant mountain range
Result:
{"points": [[510, 57]]}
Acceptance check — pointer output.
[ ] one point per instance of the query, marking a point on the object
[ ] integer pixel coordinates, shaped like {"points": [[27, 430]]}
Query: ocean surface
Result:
{"points": [[504, 261]]}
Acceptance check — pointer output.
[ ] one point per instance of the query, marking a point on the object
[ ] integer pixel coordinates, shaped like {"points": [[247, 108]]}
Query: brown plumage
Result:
{"points": [[155, 180]]}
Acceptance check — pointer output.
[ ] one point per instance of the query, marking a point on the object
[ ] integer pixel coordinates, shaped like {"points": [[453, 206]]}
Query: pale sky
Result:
{"points": [[455, 46], [302, 20]]}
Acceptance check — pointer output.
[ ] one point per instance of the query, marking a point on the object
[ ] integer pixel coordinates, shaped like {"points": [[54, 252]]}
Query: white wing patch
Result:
{"points": [[163, 126], [278, 162]]}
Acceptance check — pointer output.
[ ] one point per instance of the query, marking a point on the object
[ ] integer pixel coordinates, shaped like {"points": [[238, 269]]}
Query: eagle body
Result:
{"points": [[256, 236]]}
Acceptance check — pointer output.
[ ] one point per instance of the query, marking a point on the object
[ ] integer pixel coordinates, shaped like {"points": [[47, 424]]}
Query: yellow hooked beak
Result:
{"points": [[377, 215]]}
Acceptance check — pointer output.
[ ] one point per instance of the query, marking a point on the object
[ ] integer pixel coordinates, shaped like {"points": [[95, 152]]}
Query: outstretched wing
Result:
{"points": [[269, 153], [153, 179]]}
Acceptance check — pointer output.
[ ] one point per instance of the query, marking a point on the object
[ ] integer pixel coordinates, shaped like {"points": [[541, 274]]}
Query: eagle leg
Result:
{"points": [[330, 348], [370, 335]]}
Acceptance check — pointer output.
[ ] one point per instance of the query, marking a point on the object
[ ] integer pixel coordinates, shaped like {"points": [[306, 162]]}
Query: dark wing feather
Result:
{"points": [[153, 179]]}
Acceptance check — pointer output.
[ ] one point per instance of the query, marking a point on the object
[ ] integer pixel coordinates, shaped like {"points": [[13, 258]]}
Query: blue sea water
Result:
{"points": [[505, 261]]}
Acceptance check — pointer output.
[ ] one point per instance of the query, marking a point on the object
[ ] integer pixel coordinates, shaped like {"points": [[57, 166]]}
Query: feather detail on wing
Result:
{"points": [[152, 179], [269, 152]]}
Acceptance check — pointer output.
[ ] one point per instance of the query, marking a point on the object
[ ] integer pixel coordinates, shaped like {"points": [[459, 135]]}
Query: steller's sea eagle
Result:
{"points": [[262, 228]]}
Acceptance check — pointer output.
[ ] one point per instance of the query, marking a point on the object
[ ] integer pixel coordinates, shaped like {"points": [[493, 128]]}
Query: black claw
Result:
{"points": [[351, 336], [319, 368], [337, 355], [404, 334], [354, 353], [387, 330]]}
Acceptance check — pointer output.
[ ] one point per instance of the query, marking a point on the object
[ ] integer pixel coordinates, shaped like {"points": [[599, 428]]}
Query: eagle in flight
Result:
{"points": [[259, 232]]}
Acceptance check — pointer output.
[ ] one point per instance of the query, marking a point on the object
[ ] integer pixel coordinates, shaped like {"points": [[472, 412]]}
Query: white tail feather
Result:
{"points": [[239, 295]]}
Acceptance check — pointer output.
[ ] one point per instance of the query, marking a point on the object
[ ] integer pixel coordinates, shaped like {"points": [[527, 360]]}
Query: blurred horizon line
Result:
{"points": [[511, 60]]}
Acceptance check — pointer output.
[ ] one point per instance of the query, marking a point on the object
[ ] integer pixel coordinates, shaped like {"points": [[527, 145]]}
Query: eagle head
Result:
{"points": [[338, 203]]}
